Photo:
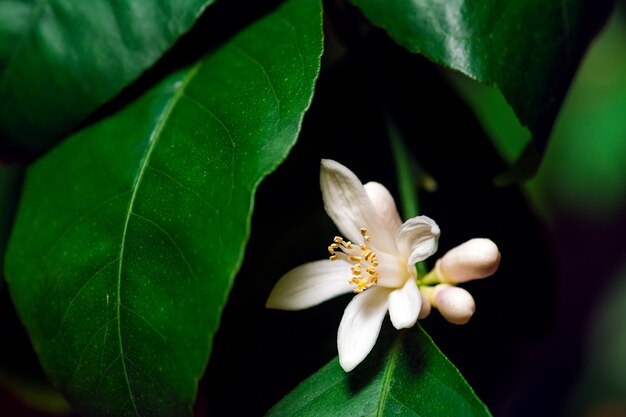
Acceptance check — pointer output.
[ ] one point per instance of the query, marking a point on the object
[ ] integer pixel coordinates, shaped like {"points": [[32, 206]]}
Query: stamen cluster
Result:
{"points": [[362, 258]]}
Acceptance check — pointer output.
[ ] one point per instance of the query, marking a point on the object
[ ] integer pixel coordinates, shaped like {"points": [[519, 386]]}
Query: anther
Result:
{"points": [[360, 256]]}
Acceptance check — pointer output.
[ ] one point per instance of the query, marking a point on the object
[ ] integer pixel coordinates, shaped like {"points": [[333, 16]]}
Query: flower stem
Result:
{"points": [[429, 279], [407, 171]]}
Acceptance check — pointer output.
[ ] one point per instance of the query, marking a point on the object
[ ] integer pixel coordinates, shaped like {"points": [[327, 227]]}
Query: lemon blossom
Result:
{"points": [[475, 259], [376, 262]]}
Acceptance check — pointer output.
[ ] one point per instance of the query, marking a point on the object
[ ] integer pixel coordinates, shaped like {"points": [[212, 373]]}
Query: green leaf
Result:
{"points": [[62, 59], [410, 378], [11, 178], [129, 233], [496, 117], [529, 49], [583, 168]]}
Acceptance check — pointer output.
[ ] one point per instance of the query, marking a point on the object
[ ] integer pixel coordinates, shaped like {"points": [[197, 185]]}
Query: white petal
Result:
{"points": [[417, 238], [455, 304], [310, 284], [474, 259], [392, 271], [360, 326], [347, 203], [404, 305], [384, 205]]}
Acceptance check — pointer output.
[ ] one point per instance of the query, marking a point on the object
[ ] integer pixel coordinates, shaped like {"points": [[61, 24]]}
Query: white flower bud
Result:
{"points": [[476, 258], [426, 307], [455, 304]]}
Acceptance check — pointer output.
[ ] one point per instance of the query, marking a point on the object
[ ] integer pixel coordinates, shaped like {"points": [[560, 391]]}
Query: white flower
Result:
{"points": [[377, 263]]}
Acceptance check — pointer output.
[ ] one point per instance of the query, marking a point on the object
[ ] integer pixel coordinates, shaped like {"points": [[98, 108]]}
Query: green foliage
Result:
{"points": [[84, 52], [141, 220], [528, 49], [10, 181], [410, 377], [583, 170]]}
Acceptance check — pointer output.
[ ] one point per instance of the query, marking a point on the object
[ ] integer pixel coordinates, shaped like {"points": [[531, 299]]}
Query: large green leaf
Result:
{"points": [[529, 49], [129, 233], [61, 59], [410, 378]]}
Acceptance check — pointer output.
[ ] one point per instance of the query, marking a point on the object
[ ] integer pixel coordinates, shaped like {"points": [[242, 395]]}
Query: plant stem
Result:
{"points": [[404, 163], [407, 170]]}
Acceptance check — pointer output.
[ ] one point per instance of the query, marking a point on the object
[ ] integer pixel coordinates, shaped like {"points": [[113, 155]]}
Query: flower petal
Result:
{"points": [[384, 205], [454, 303], [392, 271], [474, 259], [310, 284], [347, 203], [417, 238], [360, 326], [404, 305]]}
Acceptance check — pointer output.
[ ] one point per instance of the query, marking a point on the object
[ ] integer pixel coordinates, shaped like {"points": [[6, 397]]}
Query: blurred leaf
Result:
{"points": [[528, 49], [583, 168], [508, 136], [523, 169], [62, 59], [410, 378], [10, 181], [129, 233]]}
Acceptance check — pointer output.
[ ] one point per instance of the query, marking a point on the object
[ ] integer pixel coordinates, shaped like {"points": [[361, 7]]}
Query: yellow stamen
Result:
{"points": [[361, 257]]}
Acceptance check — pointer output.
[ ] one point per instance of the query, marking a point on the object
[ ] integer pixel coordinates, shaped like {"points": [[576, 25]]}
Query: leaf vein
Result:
{"points": [[230, 137], [84, 350], [267, 77], [191, 190], [82, 287], [390, 366], [145, 320], [152, 140], [80, 218], [171, 239]]}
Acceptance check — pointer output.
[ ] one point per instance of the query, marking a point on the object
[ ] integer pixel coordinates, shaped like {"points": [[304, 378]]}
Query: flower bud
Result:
{"points": [[426, 307], [455, 304], [476, 258]]}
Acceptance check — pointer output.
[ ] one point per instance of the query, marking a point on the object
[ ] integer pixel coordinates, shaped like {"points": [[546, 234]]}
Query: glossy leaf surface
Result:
{"points": [[62, 59], [529, 49], [411, 378], [129, 233]]}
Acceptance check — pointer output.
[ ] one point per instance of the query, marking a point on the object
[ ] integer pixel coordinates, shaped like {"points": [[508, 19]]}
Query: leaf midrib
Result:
{"points": [[152, 140], [391, 364]]}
